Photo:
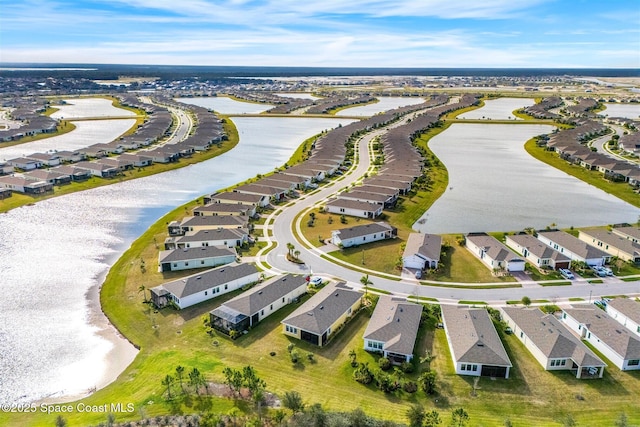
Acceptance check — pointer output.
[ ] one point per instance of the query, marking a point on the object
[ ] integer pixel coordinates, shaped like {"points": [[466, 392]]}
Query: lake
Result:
{"points": [[225, 105], [54, 341], [630, 111], [86, 133], [76, 108], [384, 103], [495, 185], [498, 109]]}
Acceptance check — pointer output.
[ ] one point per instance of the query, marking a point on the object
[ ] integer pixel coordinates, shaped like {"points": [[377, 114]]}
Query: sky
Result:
{"points": [[327, 33]]}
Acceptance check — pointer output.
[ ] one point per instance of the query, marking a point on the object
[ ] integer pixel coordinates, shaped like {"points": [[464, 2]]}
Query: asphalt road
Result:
{"points": [[314, 264]]}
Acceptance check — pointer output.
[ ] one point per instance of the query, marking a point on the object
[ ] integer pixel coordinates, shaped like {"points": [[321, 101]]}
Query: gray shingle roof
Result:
{"points": [[323, 309], [354, 204], [492, 247], [260, 296], [364, 230], [195, 253], [473, 337], [573, 244], [207, 279], [537, 248], [208, 235], [614, 240], [612, 333], [551, 337], [427, 245], [394, 322], [628, 307]]}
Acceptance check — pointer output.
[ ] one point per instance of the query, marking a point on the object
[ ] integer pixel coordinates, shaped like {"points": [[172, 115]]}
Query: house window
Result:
{"points": [[271, 307], [553, 363], [282, 299], [261, 312], [226, 287], [564, 315], [175, 264], [638, 330], [563, 362], [349, 311], [634, 362], [202, 262], [206, 293], [341, 209], [475, 368], [291, 329], [186, 263], [521, 334]]}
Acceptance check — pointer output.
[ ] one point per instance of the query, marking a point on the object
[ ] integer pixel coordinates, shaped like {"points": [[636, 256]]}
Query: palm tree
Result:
{"points": [[290, 248], [143, 289], [365, 282], [168, 382], [296, 254], [179, 373]]}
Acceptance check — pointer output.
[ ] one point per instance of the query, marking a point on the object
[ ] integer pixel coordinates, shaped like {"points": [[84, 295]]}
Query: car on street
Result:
{"points": [[566, 273]]}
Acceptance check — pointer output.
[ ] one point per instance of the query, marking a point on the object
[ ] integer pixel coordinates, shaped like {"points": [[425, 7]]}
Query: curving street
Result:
{"points": [[281, 223]]}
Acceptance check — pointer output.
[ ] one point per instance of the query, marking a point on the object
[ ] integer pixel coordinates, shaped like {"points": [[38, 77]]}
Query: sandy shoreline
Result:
{"points": [[119, 357]]}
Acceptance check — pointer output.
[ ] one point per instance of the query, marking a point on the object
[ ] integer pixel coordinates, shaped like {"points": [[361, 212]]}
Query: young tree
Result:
{"points": [[365, 282], [416, 415], [179, 374], [293, 401], [143, 289], [196, 380], [526, 301], [60, 421], [432, 419], [168, 382], [459, 417], [427, 382]]}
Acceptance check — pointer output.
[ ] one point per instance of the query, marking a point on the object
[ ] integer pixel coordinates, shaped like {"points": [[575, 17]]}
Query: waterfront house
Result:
{"points": [[238, 198], [474, 344], [350, 207], [613, 244], [228, 237], [422, 251], [204, 285], [198, 223], [536, 252], [573, 247], [200, 257], [323, 314], [393, 328], [23, 185], [493, 253]]}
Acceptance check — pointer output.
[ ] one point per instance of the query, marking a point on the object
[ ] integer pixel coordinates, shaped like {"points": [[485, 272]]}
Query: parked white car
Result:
{"points": [[566, 273]]}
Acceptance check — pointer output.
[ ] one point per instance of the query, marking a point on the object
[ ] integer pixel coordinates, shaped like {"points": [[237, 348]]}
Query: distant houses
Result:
{"points": [[251, 307], [323, 314], [475, 346], [393, 329], [204, 286]]}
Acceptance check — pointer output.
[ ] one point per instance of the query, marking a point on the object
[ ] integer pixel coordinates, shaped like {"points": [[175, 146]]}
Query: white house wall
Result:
{"points": [[623, 320], [211, 293], [277, 305]]}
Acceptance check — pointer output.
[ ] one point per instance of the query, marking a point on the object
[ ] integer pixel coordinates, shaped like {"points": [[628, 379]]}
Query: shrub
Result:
{"points": [[407, 367], [295, 356], [384, 363], [410, 387]]}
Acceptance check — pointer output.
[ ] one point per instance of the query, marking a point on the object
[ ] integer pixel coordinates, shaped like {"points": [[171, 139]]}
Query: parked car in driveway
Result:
{"points": [[608, 271], [566, 273], [599, 270]]}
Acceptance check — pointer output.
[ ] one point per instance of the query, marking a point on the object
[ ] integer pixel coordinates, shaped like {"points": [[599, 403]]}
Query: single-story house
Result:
{"points": [[362, 196], [551, 343], [239, 198], [493, 253], [204, 286], [361, 234], [76, 174], [475, 346], [197, 223], [617, 343], [262, 190], [6, 168], [24, 163], [613, 244], [393, 328], [46, 158], [228, 237], [71, 156], [247, 309], [5, 193], [201, 257], [628, 232], [232, 209], [98, 169], [48, 175], [573, 247], [23, 185], [626, 311], [350, 207], [325, 312], [536, 252], [422, 251]]}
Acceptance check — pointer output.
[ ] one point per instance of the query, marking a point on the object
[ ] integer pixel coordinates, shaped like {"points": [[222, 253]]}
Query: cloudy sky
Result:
{"points": [[341, 33]]}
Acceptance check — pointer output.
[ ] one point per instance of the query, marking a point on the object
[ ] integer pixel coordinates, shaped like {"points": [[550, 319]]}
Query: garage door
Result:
{"points": [[493, 371]]}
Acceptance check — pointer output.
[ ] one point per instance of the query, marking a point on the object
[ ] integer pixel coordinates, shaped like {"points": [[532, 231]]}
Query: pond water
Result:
{"points": [[225, 105], [53, 339], [498, 109], [630, 111], [297, 95], [495, 185], [86, 133], [384, 103], [89, 107]]}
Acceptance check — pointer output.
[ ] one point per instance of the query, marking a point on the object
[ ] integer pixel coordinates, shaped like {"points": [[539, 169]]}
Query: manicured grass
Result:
{"points": [[630, 279], [532, 396], [17, 199], [468, 302], [538, 275], [576, 299], [619, 189], [595, 281], [564, 283]]}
